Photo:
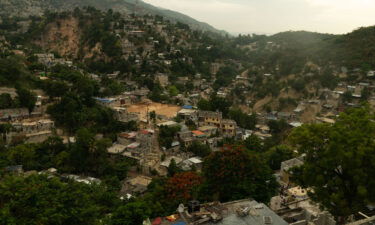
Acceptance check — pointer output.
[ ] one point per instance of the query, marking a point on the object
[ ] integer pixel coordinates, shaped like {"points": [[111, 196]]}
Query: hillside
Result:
{"points": [[37, 7], [277, 71]]}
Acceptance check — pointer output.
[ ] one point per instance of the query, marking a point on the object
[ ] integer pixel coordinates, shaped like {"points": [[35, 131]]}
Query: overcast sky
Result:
{"points": [[272, 16]]}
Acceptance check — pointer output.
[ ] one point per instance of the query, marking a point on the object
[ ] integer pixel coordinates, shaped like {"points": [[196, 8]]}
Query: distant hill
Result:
{"points": [[37, 7]]}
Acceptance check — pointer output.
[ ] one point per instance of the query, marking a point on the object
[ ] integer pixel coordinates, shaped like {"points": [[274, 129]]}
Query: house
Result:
{"points": [[213, 142], [189, 164], [366, 221], [113, 75], [162, 79], [295, 207], [209, 118], [295, 124], [45, 59], [186, 138], [371, 73], [284, 115], [11, 114], [31, 131], [175, 146], [168, 161], [209, 130], [228, 127], [215, 67], [182, 80], [167, 124], [197, 134], [241, 212], [108, 102], [81, 179], [126, 138], [136, 185], [264, 129], [188, 114], [287, 165], [133, 150], [324, 120], [136, 33], [122, 115], [299, 109], [116, 149], [18, 169]]}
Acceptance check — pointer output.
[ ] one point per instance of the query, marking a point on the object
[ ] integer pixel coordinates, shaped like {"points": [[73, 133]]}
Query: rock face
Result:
{"points": [[37, 7], [62, 37]]}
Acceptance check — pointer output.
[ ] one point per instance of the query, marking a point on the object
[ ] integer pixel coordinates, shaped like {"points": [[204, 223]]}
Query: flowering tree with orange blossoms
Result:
{"points": [[236, 173], [181, 186]]}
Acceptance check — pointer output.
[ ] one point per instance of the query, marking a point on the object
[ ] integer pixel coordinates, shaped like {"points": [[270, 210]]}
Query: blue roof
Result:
{"points": [[179, 223], [105, 100], [187, 107]]}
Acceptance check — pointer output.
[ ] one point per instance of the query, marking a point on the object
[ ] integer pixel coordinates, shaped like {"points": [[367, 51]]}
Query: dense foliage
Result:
{"points": [[243, 172], [339, 163]]}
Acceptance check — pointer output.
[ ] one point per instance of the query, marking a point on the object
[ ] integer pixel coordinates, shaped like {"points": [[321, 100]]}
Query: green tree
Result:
{"points": [[6, 101], [339, 164], [203, 104], [131, 214], [277, 126], [199, 149], [173, 168], [26, 98], [236, 173], [254, 143], [173, 91], [23, 155], [278, 154], [46, 200]]}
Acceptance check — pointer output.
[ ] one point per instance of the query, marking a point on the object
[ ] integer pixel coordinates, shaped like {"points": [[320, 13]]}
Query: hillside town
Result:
{"points": [[171, 103]]}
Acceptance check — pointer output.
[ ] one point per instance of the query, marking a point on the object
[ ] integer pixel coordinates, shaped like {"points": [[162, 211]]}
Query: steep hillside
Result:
{"points": [[37, 7]]}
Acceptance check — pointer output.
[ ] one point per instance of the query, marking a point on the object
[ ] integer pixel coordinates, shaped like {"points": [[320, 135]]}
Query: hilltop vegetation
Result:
{"points": [[37, 7]]}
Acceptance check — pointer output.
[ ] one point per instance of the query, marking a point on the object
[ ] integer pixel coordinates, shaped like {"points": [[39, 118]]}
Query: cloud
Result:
{"points": [[271, 16]]}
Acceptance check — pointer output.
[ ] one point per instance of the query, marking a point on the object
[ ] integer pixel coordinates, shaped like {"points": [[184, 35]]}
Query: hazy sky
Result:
{"points": [[272, 16]]}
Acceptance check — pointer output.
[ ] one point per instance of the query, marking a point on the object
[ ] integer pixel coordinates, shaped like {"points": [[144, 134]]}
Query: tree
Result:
{"points": [[167, 134], [203, 104], [199, 149], [23, 155], [277, 126], [339, 164], [180, 188], [153, 116], [235, 173], [173, 168], [131, 214], [26, 98], [278, 154], [254, 143], [6, 101], [173, 91], [242, 119], [89, 155], [46, 200]]}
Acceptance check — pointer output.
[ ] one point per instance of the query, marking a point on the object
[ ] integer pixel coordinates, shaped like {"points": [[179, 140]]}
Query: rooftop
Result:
{"points": [[242, 212]]}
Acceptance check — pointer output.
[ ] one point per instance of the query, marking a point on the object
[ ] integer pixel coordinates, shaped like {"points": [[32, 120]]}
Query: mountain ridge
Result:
{"points": [[37, 7]]}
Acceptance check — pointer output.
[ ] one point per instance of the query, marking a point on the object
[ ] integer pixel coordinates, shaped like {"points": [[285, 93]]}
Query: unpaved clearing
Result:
{"points": [[169, 111]]}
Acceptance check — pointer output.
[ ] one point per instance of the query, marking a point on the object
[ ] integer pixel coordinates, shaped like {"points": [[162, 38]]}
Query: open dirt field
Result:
{"points": [[160, 109]]}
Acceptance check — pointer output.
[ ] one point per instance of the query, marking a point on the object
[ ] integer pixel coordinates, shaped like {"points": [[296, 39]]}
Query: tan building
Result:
{"points": [[31, 131], [209, 118], [285, 172], [228, 127], [215, 119], [162, 79]]}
